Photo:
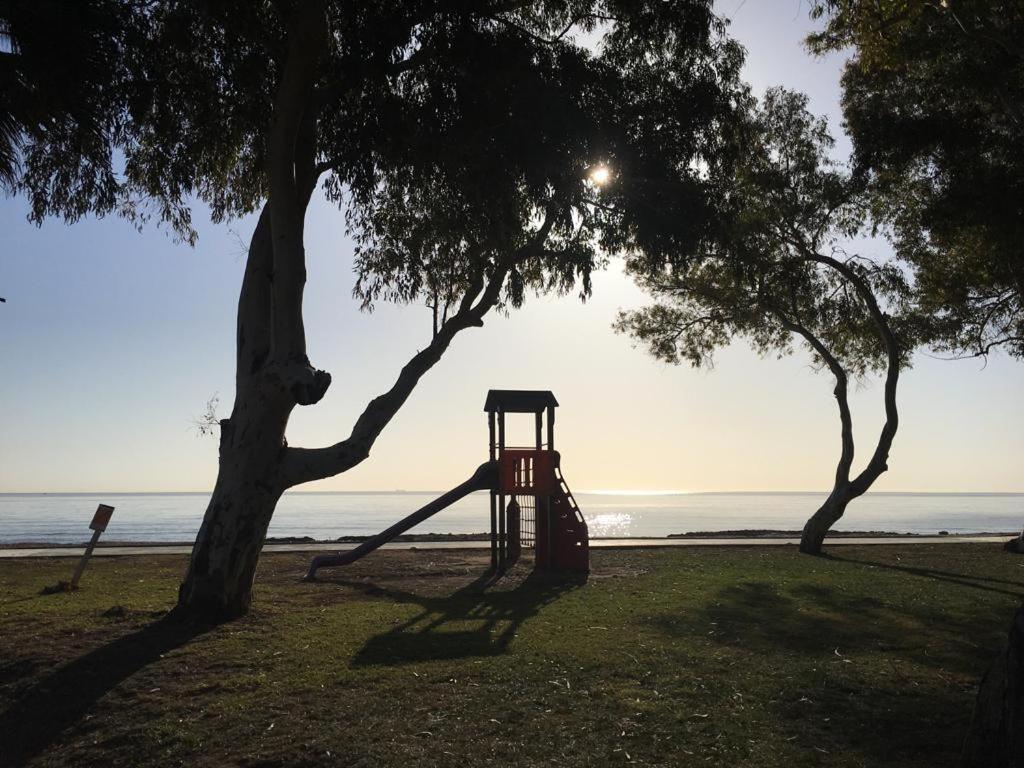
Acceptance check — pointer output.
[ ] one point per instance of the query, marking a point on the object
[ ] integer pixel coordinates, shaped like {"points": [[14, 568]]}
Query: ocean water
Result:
{"points": [[64, 518]]}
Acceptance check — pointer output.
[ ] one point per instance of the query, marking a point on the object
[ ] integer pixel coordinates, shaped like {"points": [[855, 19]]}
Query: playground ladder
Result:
{"points": [[568, 495]]}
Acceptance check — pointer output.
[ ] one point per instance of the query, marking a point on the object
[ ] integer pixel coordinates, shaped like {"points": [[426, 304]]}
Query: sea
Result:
{"points": [[61, 518]]}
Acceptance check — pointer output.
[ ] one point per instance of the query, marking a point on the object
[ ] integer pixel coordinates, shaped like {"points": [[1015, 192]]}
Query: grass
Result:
{"points": [[704, 656]]}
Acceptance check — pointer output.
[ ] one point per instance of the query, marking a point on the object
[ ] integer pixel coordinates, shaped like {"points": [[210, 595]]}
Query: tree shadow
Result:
{"points": [[25, 599], [864, 675], [12, 671], [61, 698], [960, 579], [475, 621], [818, 621]]}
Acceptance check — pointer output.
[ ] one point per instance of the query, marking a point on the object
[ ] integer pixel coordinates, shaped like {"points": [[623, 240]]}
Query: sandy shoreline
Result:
{"points": [[450, 539]]}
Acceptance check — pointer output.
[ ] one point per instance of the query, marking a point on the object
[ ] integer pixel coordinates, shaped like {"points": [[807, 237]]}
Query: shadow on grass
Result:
{"points": [[820, 621], [13, 672], [474, 621], [891, 681], [960, 579], [61, 698], [24, 599]]}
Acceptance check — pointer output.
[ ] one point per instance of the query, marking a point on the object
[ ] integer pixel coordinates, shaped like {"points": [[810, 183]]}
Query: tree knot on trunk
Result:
{"points": [[304, 384], [310, 386]]}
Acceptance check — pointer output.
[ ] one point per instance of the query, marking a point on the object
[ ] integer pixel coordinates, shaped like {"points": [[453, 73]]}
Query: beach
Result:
{"points": [[54, 519]]}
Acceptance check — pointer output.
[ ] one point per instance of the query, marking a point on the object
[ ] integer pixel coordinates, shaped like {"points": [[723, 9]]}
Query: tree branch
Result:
{"points": [[302, 465], [287, 213], [557, 38], [840, 391], [292, 175], [253, 333], [253, 327], [878, 463]]}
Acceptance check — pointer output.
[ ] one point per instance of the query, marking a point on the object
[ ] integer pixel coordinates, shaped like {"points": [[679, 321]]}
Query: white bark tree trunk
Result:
{"points": [[218, 583], [273, 372]]}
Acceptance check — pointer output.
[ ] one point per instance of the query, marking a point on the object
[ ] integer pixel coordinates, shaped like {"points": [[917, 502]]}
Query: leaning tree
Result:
{"points": [[934, 101], [933, 97], [776, 272], [457, 138]]}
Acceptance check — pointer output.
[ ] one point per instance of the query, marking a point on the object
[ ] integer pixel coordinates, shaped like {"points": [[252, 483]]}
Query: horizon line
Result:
{"points": [[591, 492]]}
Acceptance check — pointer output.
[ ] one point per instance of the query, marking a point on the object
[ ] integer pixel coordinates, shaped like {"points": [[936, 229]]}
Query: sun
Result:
{"points": [[600, 175]]}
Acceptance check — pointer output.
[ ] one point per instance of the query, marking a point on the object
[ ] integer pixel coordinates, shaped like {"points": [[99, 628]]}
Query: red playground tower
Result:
{"points": [[531, 505]]}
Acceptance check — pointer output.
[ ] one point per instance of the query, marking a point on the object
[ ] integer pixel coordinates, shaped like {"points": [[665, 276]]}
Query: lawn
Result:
{"points": [[667, 657]]}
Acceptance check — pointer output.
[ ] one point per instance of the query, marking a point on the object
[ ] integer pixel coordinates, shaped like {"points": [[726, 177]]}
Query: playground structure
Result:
{"points": [[531, 506]]}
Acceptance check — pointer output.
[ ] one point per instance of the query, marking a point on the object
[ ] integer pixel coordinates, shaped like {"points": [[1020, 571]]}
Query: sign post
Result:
{"points": [[98, 526]]}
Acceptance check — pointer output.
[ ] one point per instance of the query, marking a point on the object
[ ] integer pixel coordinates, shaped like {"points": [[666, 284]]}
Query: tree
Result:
{"points": [[933, 101], [995, 737], [776, 272], [60, 88], [456, 136]]}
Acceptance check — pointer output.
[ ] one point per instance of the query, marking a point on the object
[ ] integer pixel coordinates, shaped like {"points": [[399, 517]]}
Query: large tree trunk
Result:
{"points": [[996, 735], [273, 373], [821, 522], [218, 583]]}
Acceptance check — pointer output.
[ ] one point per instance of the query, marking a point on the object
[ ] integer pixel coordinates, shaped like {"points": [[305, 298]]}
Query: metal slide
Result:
{"points": [[484, 479]]}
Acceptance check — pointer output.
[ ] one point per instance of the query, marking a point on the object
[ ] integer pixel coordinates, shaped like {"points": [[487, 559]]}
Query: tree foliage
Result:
{"points": [[62, 111], [456, 135], [788, 212], [933, 100], [777, 272], [444, 130]]}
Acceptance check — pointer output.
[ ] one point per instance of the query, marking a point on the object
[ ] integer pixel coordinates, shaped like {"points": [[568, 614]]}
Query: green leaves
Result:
{"points": [[932, 99], [62, 95], [784, 215], [446, 131], [495, 131]]}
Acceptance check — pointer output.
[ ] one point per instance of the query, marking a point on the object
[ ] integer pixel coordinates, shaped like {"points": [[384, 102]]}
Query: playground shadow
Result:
{"points": [[478, 620], [64, 696]]}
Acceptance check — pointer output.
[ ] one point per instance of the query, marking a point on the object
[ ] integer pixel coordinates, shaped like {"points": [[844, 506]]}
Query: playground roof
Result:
{"points": [[519, 400]]}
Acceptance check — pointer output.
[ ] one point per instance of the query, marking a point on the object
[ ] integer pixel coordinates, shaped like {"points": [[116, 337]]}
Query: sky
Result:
{"points": [[113, 340]]}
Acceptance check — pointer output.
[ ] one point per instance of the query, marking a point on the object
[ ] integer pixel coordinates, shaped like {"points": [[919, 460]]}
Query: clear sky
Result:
{"points": [[111, 341]]}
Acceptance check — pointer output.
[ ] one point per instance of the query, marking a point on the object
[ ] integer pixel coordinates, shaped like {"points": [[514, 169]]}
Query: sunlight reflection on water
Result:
{"points": [[63, 518], [605, 524]]}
